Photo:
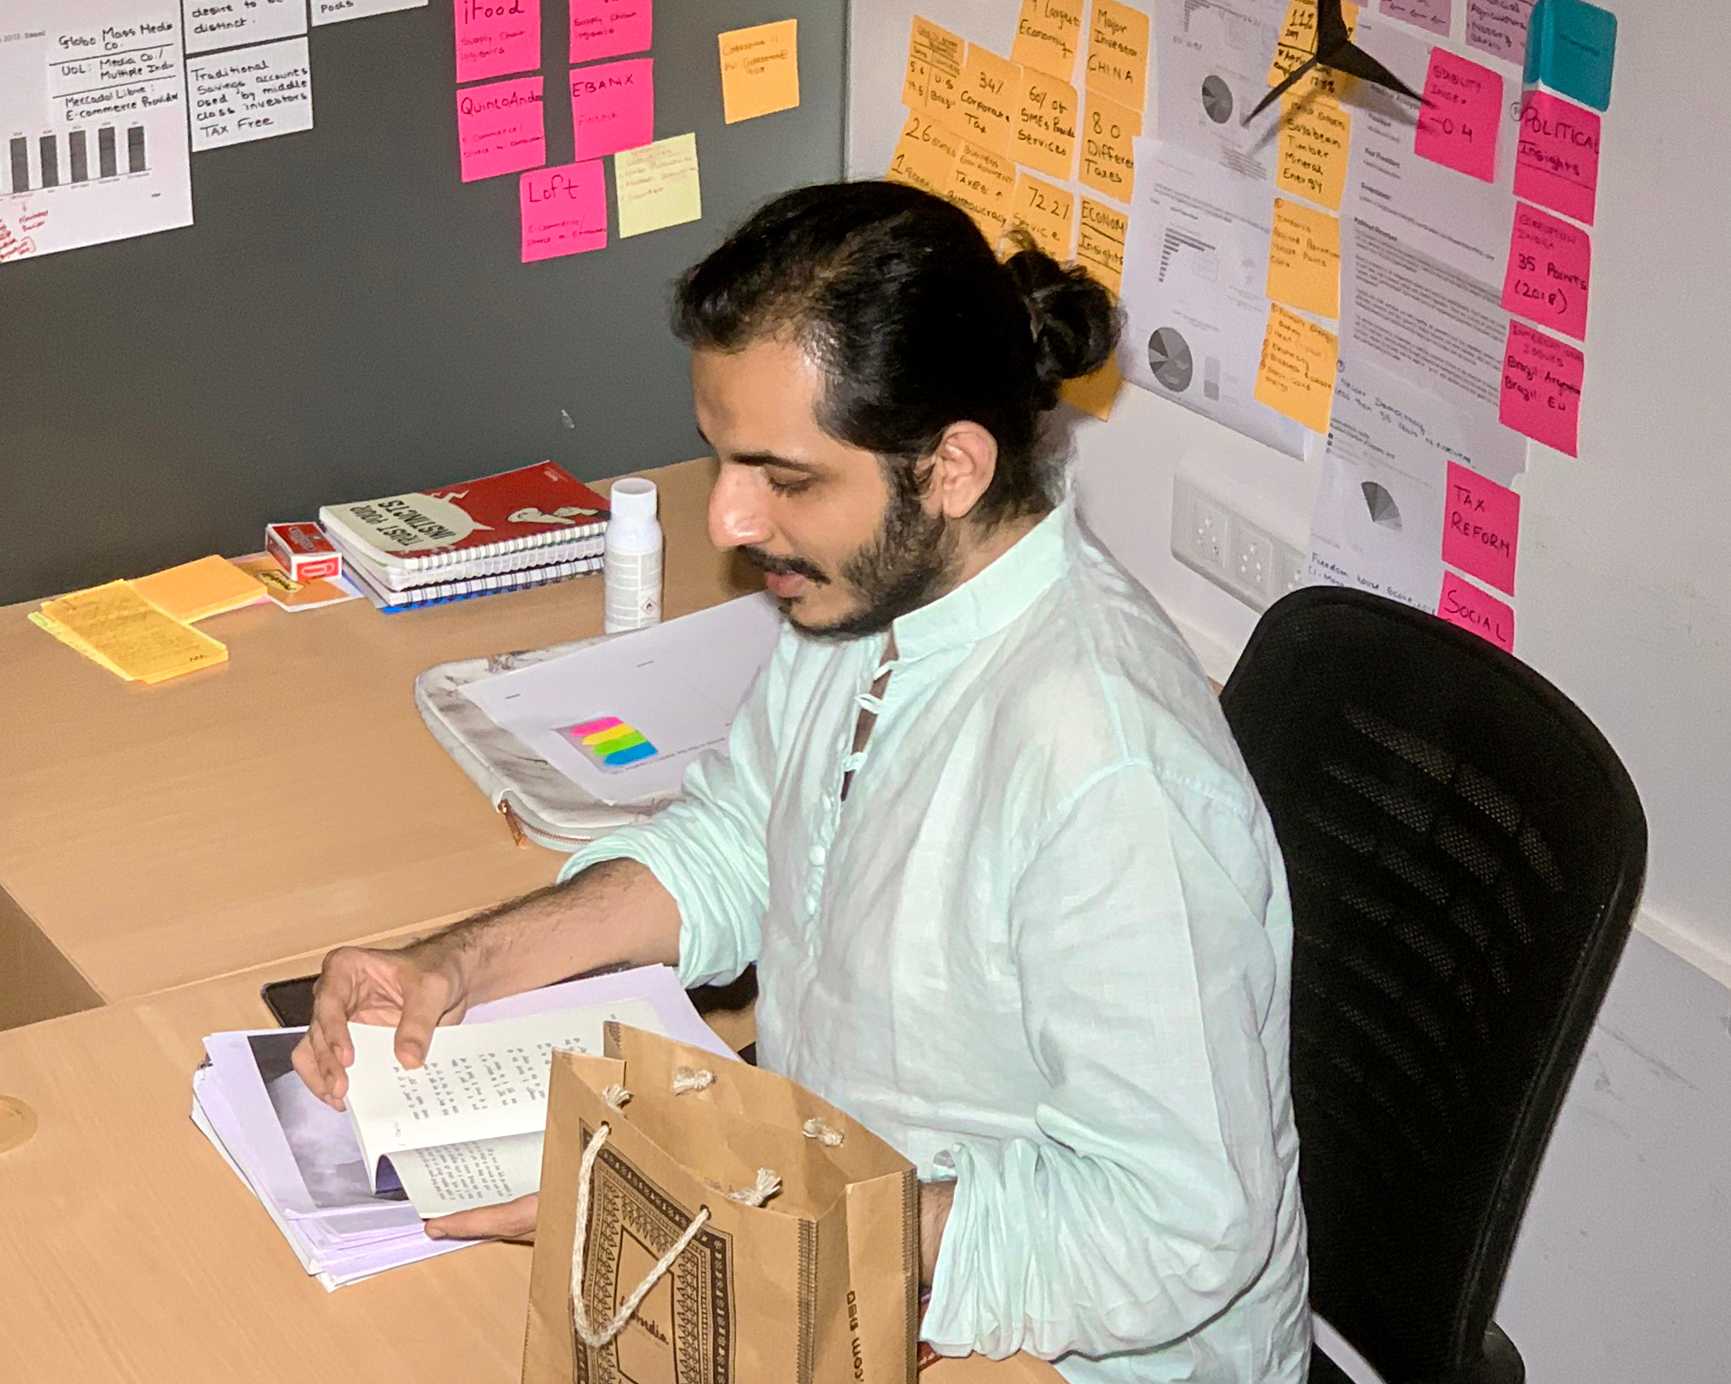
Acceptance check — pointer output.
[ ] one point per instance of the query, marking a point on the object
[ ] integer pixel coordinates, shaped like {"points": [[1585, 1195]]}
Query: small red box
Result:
{"points": [[303, 551]]}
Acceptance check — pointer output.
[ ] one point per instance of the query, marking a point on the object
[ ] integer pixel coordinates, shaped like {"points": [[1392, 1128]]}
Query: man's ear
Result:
{"points": [[962, 467]]}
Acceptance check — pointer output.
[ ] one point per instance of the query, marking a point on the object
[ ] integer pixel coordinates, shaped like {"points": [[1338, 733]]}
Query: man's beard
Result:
{"points": [[908, 563]]}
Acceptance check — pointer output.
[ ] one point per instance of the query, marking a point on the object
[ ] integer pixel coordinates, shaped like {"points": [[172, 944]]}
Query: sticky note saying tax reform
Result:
{"points": [[610, 28], [563, 210], [1481, 527], [132, 635], [759, 70], [658, 185], [1461, 603], [1047, 211], [1461, 116], [1118, 54], [195, 590], [1108, 156], [497, 37], [1048, 36], [1541, 392], [925, 155], [500, 128], [1304, 258], [1310, 156], [1045, 133], [1295, 375], [612, 106], [934, 72], [1557, 157], [1550, 265]]}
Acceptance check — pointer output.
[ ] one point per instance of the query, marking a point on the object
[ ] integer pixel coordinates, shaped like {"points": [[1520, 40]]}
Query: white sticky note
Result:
{"points": [[250, 93]]}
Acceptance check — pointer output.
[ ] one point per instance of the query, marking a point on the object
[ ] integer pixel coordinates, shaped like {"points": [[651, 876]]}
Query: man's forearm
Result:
{"points": [[614, 913]]}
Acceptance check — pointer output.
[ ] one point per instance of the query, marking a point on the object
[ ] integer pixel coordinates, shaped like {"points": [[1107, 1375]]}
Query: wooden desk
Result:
{"points": [[150, 836]]}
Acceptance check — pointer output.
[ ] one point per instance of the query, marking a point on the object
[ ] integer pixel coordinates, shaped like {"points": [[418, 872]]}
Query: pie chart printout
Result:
{"points": [[1169, 359], [1383, 509], [1216, 99]]}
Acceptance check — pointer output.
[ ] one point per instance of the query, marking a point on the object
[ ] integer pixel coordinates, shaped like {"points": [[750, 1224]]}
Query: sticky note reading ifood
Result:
{"points": [[1481, 527], [564, 210], [980, 184], [500, 129], [1310, 159], [1048, 212], [1118, 54], [925, 155], [1461, 116], [1296, 373], [657, 185], [1046, 125], [496, 38], [1463, 604], [1550, 265], [759, 70], [1048, 36], [1108, 160], [934, 74], [986, 103], [1541, 393], [612, 106]]}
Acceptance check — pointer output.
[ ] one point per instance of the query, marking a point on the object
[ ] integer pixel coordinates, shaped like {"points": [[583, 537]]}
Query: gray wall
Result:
{"points": [[347, 319]]}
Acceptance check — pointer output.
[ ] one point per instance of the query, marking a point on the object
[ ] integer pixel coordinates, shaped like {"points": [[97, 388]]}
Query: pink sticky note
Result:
{"points": [[1435, 15], [564, 210], [1499, 27], [1461, 115], [1557, 162], [1481, 527], [497, 37], [1550, 262], [1541, 394], [613, 106], [499, 128], [610, 28], [1463, 604]]}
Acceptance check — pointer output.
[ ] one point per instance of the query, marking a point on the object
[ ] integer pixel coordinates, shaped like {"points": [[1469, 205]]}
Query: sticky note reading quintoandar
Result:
{"points": [[1463, 604], [564, 210], [612, 106], [1047, 210], [1550, 265], [658, 185], [1304, 258], [1108, 157], [1295, 376], [759, 70], [500, 129], [1557, 160], [1461, 115], [610, 28], [497, 37], [1118, 54], [1310, 157], [1541, 394], [1048, 35], [1045, 135], [1481, 527]]}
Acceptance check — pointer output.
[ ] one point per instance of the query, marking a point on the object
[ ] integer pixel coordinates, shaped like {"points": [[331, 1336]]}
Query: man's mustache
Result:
{"points": [[786, 565]]}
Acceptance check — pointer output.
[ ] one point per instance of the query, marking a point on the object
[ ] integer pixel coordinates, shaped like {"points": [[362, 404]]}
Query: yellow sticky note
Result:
{"points": [[1296, 373], [1304, 258], [658, 185], [195, 590], [1048, 36], [1310, 159], [1108, 163], [72, 641], [986, 104], [1297, 45], [140, 640], [980, 184], [1047, 210], [925, 155], [759, 70], [934, 75], [1118, 53], [1100, 242], [1046, 124], [1094, 394]]}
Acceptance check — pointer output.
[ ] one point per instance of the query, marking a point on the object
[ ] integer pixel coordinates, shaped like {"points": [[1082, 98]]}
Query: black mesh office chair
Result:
{"points": [[1465, 852]]}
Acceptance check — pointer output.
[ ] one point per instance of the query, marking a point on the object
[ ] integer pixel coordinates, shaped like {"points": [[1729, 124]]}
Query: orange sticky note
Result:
{"points": [[1046, 124], [759, 70], [925, 155], [1304, 258], [1295, 376], [1100, 249], [1118, 54], [1048, 35], [980, 184], [934, 73], [1047, 210], [1310, 157], [196, 590], [986, 103], [1108, 161], [1297, 45], [1461, 603]]}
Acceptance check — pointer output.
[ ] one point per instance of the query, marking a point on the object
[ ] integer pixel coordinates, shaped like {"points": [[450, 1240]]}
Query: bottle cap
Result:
{"points": [[633, 499]]}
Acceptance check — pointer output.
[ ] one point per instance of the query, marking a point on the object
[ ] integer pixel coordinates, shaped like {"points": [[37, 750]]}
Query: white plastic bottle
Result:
{"points": [[631, 563]]}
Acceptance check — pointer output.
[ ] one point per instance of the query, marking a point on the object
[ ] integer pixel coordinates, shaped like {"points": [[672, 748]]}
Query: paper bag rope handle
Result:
{"points": [[685, 1079]]}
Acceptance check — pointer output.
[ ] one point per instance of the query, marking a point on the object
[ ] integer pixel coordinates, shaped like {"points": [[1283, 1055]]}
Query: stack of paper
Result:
{"points": [[348, 1189], [114, 626]]}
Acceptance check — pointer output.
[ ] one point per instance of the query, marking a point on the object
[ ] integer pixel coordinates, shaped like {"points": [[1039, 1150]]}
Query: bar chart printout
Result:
{"points": [[93, 124]]}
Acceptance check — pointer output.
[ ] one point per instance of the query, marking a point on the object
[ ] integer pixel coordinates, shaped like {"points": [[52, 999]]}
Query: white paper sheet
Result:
{"points": [[335, 11], [250, 93], [228, 23], [93, 124], [1211, 63], [1194, 280]]}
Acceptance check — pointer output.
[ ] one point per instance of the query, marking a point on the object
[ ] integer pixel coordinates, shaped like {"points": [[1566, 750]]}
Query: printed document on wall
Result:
{"points": [[1211, 68], [93, 128], [1195, 280]]}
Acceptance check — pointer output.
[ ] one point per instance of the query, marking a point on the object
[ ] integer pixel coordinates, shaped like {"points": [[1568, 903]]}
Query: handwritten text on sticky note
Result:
{"points": [[1304, 258], [612, 106], [1118, 53], [610, 28], [658, 185], [1108, 158], [1550, 264], [1481, 527], [500, 129], [1499, 27], [1435, 15], [1541, 393], [564, 210], [1557, 159], [934, 71], [925, 155], [759, 70], [497, 37], [1463, 604], [1048, 36], [1046, 124], [980, 184], [1047, 211], [986, 102], [1295, 375], [1461, 115], [1310, 157]]}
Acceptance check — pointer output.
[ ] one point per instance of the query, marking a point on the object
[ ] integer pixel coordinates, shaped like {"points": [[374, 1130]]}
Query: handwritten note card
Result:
{"points": [[980, 184], [1481, 527], [497, 37], [1048, 36], [500, 129], [1108, 158], [986, 102], [658, 185], [925, 155], [335, 11], [250, 93], [1499, 27], [132, 637], [1311, 155], [1557, 162], [1541, 394], [1550, 265], [225, 23], [1296, 45], [1435, 15], [1046, 124], [612, 106], [610, 28], [934, 73], [1118, 54], [1304, 258], [1047, 210], [759, 70], [1461, 116], [1295, 376], [564, 210], [1463, 604]]}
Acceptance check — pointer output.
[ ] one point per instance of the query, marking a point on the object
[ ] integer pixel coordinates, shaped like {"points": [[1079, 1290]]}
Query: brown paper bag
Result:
{"points": [[683, 1280]]}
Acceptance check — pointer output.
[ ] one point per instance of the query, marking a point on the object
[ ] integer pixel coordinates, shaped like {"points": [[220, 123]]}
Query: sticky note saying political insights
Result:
{"points": [[612, 106], [1461, 115], [1557, 158], [1541, 390], [658, 185], [759, 70], [500, 128], [1550, 266], [564, 210], [1481, 527]]}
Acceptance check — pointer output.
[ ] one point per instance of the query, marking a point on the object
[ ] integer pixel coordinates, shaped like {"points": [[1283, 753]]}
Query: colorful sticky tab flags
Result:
{"points": [[1108, 157], [1557, 162], [610, 28], [1045, 134], [658, 185], [1295, 375], [497, 37], [759, 70], [1571, 48], [1048, 36], [612, 106], [1461, 115], [564, 210], [610, 742], [1118, 54], [1550, 266], [1304, 258], [1541, 391], [1461, 603], [1481, 527], [1311, 154], [500, 129]]}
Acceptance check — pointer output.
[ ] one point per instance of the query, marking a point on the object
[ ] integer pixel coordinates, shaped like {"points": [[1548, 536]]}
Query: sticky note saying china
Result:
{"points": [[759, 70]]}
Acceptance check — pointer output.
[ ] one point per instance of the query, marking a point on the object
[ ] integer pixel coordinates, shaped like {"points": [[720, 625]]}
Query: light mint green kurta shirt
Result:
{"points": [[1042, 947]]}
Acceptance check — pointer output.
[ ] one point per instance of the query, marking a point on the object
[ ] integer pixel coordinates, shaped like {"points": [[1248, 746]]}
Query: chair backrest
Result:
{"points": [[1464, 852]]}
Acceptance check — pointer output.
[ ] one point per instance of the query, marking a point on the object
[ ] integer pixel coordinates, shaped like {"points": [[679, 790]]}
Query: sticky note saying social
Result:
{"points": [[658, 185], [1557, 158], [564, 210], [1048, 36], [1295, 375], [500, 129], [1550, 265], [610, 28], [1481, 527], [1541, 391], [1045, 132], [497, 37], [1461, 115], [1304, 258], [612, 106], [1118, 54], [1047, 211], [1310, 158], [1461, 603], [1108, 157], [759, 70]]}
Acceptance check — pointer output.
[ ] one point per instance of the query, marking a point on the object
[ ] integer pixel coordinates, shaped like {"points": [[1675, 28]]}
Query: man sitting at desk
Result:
{"points": [[1013, 899]]}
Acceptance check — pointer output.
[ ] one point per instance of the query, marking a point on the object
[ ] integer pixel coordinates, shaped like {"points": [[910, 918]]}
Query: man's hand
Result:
{"points": [[415, 989], [936, 1199], [512, 1220]]}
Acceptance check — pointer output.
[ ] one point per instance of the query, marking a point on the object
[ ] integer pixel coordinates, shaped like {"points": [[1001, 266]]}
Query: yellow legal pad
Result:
{"points": [[126, 634]]}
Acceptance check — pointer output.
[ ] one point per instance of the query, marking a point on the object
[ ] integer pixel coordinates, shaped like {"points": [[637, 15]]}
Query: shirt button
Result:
{"points": [[817, 855]]}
